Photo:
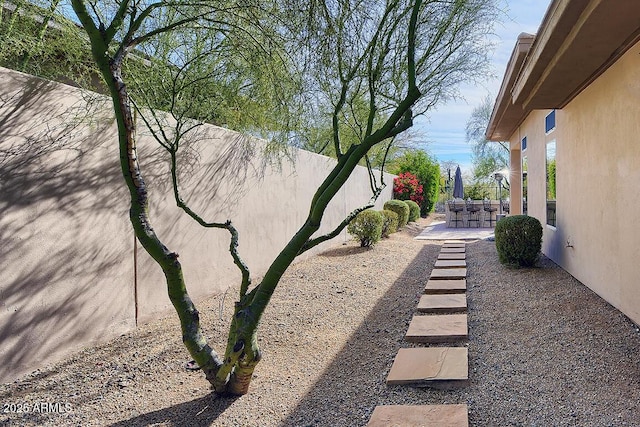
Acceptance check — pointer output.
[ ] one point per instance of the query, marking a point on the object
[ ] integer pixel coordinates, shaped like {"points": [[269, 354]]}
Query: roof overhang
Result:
{"points": [[503, 111], [577, 41]]}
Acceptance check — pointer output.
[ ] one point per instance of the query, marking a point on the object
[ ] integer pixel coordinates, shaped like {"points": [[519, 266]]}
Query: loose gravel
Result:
{"points": [[543, 351]]}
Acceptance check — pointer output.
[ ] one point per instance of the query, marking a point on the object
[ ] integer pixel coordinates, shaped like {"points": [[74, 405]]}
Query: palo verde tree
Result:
{"points": [[396, 58], [37, 40], [488, 157]]}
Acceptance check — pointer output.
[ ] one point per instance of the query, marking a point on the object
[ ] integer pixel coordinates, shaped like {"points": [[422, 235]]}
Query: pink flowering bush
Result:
{"points": [[407, 187]]}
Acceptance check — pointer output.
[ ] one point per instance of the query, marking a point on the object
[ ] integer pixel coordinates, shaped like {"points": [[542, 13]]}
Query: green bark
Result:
{"points": [[110, 66]]}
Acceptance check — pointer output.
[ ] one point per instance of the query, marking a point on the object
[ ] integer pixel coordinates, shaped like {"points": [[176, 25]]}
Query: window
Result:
{"points": [[524, 185], [524, 143], [550, 121], [551, 183]]}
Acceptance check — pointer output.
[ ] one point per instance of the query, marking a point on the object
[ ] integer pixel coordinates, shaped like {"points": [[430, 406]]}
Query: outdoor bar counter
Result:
{"points": [[463, 215]]}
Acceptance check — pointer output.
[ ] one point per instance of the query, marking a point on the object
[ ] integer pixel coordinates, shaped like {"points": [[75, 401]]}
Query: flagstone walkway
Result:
{"points": [[435, 367]]}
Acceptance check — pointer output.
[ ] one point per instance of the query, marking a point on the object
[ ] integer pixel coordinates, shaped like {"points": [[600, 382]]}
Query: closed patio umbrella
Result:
{"points": [[458, 189]]}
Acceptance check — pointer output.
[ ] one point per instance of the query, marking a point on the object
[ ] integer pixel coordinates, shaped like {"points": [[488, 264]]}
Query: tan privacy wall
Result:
{"points": [[67, 250], [597, 236]]}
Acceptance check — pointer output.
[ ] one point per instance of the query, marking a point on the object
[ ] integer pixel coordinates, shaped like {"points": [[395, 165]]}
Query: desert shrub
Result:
{"points": [[389, 223], [407, 187], [414, 210], [427, 171], [518, 240], [366, 227], [401, 208]]}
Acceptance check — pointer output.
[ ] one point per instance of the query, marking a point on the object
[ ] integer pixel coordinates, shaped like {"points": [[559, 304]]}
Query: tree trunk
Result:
{"points": [[111, 69]]}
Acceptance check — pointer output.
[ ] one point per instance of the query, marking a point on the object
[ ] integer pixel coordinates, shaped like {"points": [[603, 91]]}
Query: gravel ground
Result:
{"points": [[543, 351]]}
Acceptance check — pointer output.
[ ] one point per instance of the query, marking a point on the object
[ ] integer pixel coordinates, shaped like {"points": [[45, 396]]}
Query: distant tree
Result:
{"points": [[479, 190], [488, 157], [369, 69], [427, 170], [551, 180], [447, 171], [39, 41]]}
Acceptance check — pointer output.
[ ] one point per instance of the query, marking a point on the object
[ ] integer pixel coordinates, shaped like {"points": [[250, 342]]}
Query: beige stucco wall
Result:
{"points": [[66, 245], [598, 184]]}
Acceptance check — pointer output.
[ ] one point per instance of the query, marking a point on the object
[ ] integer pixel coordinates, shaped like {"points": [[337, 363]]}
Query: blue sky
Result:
{"points": [[444, 128]]}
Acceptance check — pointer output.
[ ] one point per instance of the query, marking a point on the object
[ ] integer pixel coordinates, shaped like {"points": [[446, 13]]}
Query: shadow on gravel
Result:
{"points": [[543, 350], [367, 349], [342, 252], [198, 412]]}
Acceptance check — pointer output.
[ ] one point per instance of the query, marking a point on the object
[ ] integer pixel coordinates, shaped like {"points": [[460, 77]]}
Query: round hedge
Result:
{"points": [[518, 240], [366, 227], [414, 210], [401, 208], [390, 222]]}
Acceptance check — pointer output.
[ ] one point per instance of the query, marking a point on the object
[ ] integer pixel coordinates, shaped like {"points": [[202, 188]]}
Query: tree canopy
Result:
{"points": [[37, 39], [488, 157], [351, 75]]}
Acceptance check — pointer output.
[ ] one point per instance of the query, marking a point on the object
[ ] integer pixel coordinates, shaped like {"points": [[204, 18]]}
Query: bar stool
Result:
{"points": [[505, 206], [455, 209], [474, 213], [490, 210]]}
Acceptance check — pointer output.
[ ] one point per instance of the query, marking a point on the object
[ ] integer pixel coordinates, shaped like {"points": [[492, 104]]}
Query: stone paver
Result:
{"points": [[437, 367], [437, 329], [450, 263], [452, 250], [448, 273], [419, 415], [446, 286], [447, 303], [452, 256], [453, 245]]}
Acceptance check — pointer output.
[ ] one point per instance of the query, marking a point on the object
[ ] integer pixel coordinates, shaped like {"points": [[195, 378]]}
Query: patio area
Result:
{"points": [[438, 230]]}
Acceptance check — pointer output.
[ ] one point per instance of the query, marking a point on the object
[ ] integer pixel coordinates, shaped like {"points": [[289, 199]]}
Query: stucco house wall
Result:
{"points": [[601, 186], [598, 183], [584, 64], [69, 261]]}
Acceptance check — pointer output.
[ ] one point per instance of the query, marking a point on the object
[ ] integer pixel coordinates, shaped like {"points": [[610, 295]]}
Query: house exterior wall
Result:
{"points": [[598, 184], [66, 244]]}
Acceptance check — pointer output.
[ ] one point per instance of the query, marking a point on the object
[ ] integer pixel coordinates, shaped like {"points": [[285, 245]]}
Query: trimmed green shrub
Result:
{"points": [[390, 222], [367, 227], [401, 208], [414, 210], [518, 240]]}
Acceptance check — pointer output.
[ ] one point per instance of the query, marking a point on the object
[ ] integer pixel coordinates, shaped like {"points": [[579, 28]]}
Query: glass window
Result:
{"points": [[524, 143], [550, 121], [551, 183]]}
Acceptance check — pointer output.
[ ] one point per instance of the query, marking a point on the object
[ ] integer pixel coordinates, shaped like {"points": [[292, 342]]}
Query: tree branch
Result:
{"points": [[233, 245], [311, 243], [117, 21]]}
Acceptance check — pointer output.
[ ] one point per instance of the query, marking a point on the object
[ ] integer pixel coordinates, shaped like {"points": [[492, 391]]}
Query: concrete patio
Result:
{"points": [[438, 230]]}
